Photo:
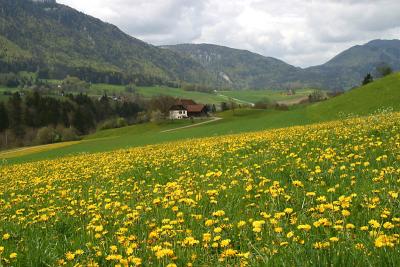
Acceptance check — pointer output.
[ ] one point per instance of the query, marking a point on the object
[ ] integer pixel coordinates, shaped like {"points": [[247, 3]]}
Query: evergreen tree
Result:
{"points": [[4, 123], [368, 79], [384, 70], [15, 114]]}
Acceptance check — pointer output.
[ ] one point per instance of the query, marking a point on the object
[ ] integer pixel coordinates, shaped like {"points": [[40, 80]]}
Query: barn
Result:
{"points": [[187, 108]]}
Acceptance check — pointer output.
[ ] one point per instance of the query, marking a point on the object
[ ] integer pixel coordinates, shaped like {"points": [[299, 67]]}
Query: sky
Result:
{"points": [[301, 32]]}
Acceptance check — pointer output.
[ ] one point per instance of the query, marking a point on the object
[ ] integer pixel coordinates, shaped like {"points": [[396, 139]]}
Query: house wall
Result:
{"points": [[177, 114]]}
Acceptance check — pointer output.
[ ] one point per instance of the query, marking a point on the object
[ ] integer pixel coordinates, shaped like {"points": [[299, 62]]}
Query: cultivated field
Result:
{"points": [[324, 194]]}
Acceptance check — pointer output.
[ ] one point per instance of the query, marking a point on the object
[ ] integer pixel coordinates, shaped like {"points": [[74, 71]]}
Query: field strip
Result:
{"points": [[292, 101], [34, 149], [238, 100], [193, 125]]}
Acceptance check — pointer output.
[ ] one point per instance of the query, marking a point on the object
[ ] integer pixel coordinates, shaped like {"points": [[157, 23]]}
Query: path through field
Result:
{"points": [[193, 125], [33, 149], [294, 101], [238, 100]]}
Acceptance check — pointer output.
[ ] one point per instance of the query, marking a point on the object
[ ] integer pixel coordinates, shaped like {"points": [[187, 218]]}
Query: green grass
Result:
{"points": [[5, 89], [243, 96], [298, 196], [205, 98], [100, 88], [384, 93], [257, 95]]}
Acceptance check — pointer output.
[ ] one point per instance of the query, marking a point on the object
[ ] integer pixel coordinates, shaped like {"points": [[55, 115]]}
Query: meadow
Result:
{"points": [[253, 96], [382, 96], [239, 96], [322, 194]]}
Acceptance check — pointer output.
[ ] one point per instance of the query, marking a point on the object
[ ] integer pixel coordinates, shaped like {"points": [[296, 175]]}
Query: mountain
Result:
{"points": [[238, 68], [56, 41], [244, 69], [348, 68], [59, 40]]}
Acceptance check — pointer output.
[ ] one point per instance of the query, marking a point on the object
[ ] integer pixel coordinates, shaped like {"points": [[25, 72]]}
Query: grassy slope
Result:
{"points": [[177, 92], [244, 95], [383, 93], [362, 101], [256, 95]]}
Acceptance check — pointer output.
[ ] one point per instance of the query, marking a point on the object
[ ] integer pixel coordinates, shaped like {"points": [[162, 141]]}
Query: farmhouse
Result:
{"points": [[186, 108]]}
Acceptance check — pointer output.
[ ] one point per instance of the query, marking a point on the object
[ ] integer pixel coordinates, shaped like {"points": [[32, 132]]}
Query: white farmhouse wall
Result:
{"points": [[177, 114]]}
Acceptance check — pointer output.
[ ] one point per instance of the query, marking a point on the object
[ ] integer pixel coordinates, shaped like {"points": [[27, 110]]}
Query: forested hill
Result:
{"points": [[349, 67], [244, 69], [239, 68], [59, 40], [55, 41]]}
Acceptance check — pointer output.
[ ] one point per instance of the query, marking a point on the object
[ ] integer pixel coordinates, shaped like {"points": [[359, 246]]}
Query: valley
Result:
{"points": [[115, 151]]}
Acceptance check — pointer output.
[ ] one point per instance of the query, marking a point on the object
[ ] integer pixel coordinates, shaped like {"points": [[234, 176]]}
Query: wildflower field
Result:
{"points": [[323, 194]]}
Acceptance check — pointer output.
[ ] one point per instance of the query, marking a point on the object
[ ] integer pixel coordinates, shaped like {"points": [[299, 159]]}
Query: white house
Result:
{"points": [[177, 112]]}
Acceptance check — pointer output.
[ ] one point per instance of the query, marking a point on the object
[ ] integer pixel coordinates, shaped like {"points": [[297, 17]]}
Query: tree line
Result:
{"points": [[37, 119]]}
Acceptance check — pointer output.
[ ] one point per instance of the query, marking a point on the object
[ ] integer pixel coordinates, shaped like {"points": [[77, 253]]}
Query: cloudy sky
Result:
{"points": [[300, 32]]}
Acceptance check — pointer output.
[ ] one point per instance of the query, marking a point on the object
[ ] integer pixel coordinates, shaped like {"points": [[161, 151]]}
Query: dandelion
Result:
{"points": [[305, 227], [6, 236], [374, 224], [69, 256], [388, 225], [225, 243], [384, 241]]}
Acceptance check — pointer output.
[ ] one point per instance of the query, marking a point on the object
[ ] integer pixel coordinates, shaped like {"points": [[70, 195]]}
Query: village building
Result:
{"points": [[187, 108]]}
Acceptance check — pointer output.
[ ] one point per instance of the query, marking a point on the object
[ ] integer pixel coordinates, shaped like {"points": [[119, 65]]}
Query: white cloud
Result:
{"points": [[301, 32]]}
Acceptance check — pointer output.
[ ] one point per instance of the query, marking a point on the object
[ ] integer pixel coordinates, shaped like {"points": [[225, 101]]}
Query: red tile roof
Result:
{"points": [[186, 102], [195, 108]]}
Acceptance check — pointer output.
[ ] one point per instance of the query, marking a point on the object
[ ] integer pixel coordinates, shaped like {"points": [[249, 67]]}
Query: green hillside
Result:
{"points": [[256, 95], [244, 69], [382, 94], [238, 96], [56, 40], [60, 40], [239, 68]]}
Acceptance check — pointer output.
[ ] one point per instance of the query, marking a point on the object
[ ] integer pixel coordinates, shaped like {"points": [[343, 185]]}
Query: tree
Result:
{"points": [[232, 105], [4, 122], [156, 116], [83, 119], [130, 88], [316, 96], [104, 109], [15, 114], [384, 70], [162, 103], [74, 84], [368, 79], [224, 106], [263, 103]]}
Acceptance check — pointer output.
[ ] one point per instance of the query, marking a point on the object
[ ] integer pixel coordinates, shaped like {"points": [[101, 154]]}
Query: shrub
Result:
{"points": [[316, 96], [156, 116], [68, 134], [47, 135], [282, 107], [113, 123], [264, 103]]}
